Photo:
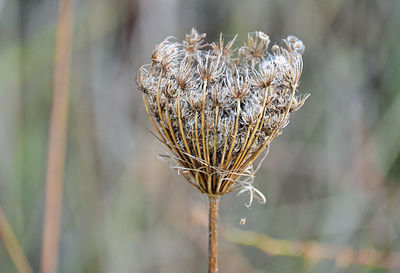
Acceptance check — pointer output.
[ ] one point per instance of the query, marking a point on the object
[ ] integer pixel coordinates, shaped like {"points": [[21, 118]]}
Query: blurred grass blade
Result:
{"points": [[57, 138], [12, 246], [310, 250], [387, 135]]}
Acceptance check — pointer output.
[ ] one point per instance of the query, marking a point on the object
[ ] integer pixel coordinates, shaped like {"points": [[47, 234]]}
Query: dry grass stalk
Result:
{"points": [[57, 138], [343, 255], [218, 111], [12, 246]]}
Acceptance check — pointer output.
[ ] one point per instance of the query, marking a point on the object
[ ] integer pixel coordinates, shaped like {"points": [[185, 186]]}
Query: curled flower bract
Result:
{"points": [[216, 111]]}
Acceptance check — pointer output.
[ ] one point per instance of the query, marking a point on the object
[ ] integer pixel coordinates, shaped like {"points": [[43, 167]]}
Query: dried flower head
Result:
{"points": [[217, 112]]}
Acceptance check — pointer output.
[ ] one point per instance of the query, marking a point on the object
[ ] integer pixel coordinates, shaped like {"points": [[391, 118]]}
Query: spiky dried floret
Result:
{"points": [[217, 112]]}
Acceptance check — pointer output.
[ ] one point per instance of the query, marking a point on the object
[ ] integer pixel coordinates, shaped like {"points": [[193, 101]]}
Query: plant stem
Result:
{"points": [[213, 203], [57, 138], [12, 246]]}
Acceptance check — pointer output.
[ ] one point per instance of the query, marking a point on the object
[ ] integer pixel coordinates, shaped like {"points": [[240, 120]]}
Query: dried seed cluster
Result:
{"points": [[218, 110]]}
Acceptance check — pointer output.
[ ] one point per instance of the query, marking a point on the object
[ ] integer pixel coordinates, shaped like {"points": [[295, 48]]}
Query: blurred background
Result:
{"points": [[332, 180]]}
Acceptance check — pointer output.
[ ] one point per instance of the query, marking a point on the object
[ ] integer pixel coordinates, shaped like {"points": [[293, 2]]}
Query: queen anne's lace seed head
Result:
{"points": [[217, 112]]}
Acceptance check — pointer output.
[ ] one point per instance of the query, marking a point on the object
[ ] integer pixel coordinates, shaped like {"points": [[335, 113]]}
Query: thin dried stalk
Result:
{"points": [[311, 250], [213, 203], [12, 246], [57, 138]]}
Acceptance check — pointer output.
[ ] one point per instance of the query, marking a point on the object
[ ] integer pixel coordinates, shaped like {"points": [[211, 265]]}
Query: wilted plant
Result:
{"points": [[217, 111]]}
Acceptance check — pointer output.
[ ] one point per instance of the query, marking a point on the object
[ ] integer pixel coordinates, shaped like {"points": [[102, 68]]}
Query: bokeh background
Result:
{"points": [[332, 180]]}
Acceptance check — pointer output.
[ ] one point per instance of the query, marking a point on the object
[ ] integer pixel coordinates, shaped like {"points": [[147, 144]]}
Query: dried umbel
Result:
{"points": [[218, 111], [217, 108]]}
